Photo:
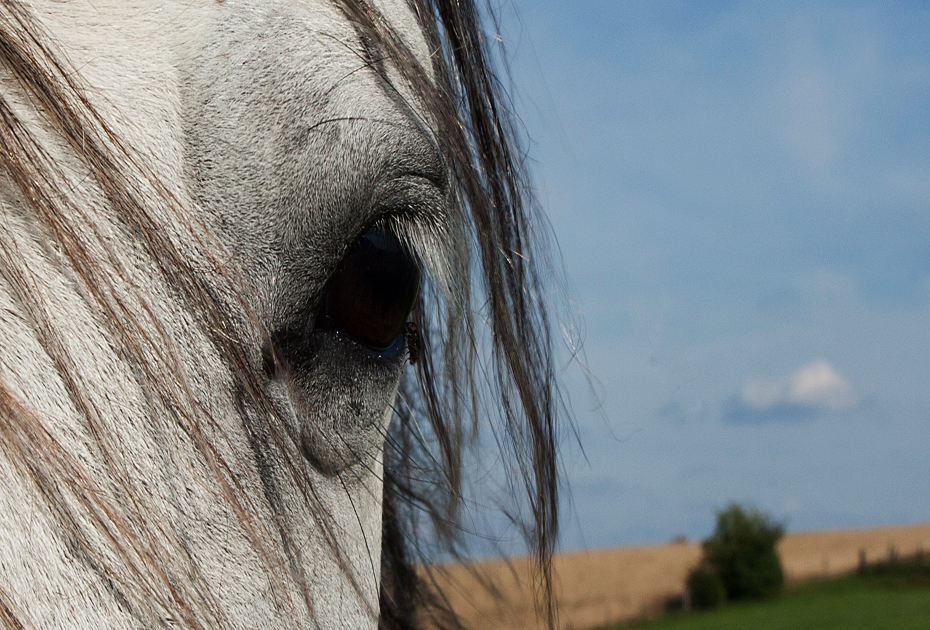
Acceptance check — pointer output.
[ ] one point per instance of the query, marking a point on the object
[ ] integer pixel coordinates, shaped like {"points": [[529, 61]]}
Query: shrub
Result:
{"points": [[742, 553], [705, 588]]}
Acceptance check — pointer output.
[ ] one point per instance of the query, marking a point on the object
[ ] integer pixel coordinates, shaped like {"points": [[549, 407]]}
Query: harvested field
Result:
{"points": [[599, 587]]}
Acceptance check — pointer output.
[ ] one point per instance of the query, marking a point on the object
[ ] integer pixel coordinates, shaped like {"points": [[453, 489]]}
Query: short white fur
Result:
{"points": [[264, 123]]}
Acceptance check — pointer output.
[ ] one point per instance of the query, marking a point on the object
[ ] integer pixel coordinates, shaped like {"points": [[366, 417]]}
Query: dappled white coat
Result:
{"points": [[277, 140]]}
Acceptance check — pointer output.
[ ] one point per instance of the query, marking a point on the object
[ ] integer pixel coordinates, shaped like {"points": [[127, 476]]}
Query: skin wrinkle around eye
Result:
{"points": [[415, 210], [310, 355]]}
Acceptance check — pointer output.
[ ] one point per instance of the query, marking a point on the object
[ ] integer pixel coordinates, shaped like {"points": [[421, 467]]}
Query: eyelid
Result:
{"points": [[418, 212]]}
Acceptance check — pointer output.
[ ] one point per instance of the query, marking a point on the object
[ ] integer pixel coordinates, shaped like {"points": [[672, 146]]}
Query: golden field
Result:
{"points": [[598, 587]]}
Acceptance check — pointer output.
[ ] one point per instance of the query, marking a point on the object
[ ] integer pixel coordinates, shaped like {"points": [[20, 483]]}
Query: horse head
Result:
{"points": [[228, 230]]}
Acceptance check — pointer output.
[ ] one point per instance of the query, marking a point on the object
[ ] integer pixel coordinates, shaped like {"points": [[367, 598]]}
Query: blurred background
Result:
{"points": [[741, 194]]}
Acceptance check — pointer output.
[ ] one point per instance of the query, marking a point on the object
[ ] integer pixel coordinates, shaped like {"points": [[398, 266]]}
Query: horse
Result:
{"points": [[247, 253]]}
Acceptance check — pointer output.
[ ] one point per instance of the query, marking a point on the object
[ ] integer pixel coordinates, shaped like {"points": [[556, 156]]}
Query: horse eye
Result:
{"points": [[373, 291]]}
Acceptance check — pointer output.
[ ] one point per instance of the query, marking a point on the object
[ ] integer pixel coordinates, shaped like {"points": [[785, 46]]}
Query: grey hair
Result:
{"points": [[500, 266]]}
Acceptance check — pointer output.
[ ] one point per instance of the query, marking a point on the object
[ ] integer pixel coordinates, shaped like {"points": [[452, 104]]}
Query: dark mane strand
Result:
{"points": [[476, 135]]}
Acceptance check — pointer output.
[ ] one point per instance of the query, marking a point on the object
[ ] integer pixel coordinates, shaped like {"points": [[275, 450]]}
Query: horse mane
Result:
{"points": [[500, 267]]}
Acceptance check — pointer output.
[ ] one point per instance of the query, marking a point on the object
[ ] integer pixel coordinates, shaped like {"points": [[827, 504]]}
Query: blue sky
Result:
{"points": [[741, 194]]}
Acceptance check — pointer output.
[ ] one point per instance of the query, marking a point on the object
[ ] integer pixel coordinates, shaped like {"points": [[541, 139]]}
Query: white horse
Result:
{"points": [[213, 219]]}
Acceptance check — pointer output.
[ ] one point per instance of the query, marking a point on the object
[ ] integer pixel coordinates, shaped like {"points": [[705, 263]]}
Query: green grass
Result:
{"points": [[885, 598]]}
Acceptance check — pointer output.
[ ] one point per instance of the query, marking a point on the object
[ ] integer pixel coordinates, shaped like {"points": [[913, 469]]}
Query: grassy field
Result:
{"points": [[894, 598]]}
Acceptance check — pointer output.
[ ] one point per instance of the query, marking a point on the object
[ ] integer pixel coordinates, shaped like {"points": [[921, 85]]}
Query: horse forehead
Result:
{"points": [[134, 52], [296, 51], [147, 33], [317, 18]]}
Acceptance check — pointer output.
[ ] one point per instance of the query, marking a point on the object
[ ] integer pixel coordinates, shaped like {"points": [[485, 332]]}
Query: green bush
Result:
{"points": [[705, 588], [742, 553]]}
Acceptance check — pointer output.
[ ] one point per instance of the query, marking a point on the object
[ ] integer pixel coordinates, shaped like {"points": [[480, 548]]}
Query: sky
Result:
{"points": [[741, 195]]}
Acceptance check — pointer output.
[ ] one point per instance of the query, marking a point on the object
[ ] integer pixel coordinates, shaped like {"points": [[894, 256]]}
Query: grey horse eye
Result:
{"points": [[370, 296]]}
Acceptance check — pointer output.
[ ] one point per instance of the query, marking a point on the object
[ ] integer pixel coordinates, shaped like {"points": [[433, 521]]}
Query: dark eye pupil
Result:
{"points": [[373, 291]]}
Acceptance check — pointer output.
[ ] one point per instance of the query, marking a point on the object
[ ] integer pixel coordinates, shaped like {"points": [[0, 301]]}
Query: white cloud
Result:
{"points": [[816, 386]]}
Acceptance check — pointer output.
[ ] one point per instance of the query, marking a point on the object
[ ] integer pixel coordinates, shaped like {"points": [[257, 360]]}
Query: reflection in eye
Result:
{"points": [[373, 291]]}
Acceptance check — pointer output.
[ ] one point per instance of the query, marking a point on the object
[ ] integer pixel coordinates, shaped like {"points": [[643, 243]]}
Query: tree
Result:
{"points": [[742, 553], [705, 588]]}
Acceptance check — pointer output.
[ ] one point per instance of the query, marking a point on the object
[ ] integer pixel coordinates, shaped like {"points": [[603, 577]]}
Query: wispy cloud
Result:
{"points": [[811, 390]]}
